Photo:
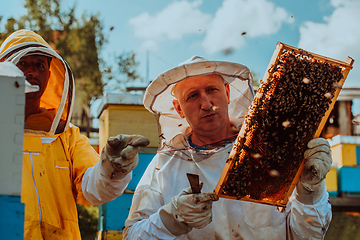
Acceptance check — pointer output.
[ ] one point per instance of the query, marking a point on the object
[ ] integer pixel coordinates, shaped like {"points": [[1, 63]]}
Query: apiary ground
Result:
{"points": [[344, 226]]}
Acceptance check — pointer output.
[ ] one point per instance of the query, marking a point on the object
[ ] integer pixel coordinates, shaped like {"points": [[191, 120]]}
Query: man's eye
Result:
{"points": [[191, 96], [212, 89], [41, 66]]}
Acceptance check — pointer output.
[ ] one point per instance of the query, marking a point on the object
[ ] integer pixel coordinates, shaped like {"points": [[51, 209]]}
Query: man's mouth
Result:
{"points": [[208, 115], [33, 82]]}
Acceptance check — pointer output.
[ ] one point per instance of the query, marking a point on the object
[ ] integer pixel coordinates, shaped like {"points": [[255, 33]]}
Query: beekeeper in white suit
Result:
{"points": [[199, 120], [60, 167]]}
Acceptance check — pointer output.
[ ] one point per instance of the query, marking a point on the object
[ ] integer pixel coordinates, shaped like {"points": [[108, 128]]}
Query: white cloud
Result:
{"points": [[223, 31], [256, 18], [339, 3], [149, 44], [172, 23], [338, 37]]}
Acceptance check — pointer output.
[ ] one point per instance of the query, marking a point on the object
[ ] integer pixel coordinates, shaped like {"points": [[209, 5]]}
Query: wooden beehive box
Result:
{"points": [[291, 107]]}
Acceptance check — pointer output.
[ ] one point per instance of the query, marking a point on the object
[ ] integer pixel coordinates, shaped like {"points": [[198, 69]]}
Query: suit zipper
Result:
{"points": [[33, 177]]}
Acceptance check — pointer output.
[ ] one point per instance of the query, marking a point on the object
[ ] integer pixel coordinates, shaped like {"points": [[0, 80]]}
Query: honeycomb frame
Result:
{"points": [[280, 196]]}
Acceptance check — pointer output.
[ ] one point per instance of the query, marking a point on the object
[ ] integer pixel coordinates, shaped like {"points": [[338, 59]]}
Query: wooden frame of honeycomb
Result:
{"points": [[291, 107]]}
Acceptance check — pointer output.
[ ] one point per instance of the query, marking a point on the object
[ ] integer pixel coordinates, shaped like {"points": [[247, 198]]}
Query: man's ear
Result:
{"points": [[227, 89], [178, 108]]}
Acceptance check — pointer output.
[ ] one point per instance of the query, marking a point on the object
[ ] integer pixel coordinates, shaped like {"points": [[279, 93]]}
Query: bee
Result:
{"points": [[286, 123], [274, 173], [328, 95], [306, 80]]}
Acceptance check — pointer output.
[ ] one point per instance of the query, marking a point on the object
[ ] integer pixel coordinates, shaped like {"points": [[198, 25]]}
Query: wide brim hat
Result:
{"points": [[158, 98], [60, 91]]}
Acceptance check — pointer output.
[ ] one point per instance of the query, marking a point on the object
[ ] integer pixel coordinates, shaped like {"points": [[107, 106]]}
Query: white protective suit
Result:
{"points": [[165, 176]]}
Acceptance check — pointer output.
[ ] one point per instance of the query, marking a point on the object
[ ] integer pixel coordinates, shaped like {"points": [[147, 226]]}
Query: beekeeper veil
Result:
{"points": [[59, 93], [158, 98]]}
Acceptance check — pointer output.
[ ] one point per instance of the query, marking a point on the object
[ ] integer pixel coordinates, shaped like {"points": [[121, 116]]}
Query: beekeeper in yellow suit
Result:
{"points": [[60, 168]]}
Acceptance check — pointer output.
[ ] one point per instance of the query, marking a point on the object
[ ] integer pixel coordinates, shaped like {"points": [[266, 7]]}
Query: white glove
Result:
{"points": [[120, 155], [318, 160], [187, 211]]}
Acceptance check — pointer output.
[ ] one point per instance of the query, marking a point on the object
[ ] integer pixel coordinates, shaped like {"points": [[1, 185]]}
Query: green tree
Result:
{"points": [[125, 70], [255, 79]]}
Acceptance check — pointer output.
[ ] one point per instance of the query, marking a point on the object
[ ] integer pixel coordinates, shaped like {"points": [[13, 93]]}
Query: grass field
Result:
{"points": [[344, 226]]}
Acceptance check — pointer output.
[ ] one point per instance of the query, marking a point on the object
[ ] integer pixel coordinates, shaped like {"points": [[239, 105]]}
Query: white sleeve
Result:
{"points": [[144, 220], [150, 228], [98, 188], [309, 221]]}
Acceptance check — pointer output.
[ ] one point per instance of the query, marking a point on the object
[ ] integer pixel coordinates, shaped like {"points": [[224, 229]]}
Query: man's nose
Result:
{"points": [[206, 103], [31, 70]]}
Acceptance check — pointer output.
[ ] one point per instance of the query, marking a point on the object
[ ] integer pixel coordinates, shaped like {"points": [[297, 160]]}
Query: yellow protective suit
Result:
{"points": [[53, 168], [56, 155]]}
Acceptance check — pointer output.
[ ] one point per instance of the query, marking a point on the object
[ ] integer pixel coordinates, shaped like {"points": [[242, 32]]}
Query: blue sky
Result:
{"points": [[173, 31]]}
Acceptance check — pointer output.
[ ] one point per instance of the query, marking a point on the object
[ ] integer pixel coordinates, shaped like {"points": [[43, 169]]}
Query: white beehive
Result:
{"points": [[12, 102]]}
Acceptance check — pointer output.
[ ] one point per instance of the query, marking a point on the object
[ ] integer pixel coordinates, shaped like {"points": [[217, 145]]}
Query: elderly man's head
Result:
{"points": [[203, 101]]}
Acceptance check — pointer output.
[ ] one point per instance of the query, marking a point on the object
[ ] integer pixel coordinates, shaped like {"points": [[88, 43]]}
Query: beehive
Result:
{"points": [[290, 108], [124, 113]]}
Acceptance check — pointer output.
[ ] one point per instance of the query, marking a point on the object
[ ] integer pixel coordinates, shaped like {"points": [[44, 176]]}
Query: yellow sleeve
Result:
{"points": [[82, 155]]}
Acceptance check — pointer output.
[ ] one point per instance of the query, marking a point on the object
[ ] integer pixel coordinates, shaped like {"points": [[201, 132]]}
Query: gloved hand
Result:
{"points": [[318, 160], [120, 154], [187, 211]]}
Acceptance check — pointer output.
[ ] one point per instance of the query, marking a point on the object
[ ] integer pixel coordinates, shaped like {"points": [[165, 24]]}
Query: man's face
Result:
{"points": [[36, 70], [203, 101]]}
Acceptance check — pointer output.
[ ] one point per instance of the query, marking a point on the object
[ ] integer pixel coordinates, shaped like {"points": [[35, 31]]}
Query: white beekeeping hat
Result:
{"points": [[158, 98]]}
